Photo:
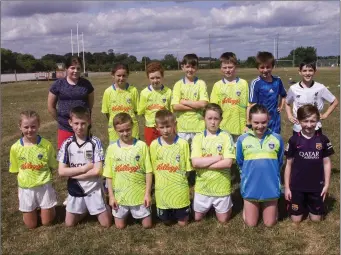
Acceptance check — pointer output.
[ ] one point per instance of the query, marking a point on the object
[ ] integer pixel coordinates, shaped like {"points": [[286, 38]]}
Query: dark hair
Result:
{"points": [[72, 61], [308, 64], [122, 118], [29, 114], [80, 112], [228, 57], [119, 66], [154, 67], [306, 111], [164, 116], [258, 108], [213, 107], [190, 59], [264, 57]]}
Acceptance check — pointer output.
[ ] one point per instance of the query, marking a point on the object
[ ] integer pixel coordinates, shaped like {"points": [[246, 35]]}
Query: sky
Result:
{"points": [[154, 29]]}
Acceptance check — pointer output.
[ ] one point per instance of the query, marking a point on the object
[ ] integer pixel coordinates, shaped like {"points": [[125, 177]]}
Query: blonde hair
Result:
{"points": [[29, 114], [164, 116], [122, 118]]}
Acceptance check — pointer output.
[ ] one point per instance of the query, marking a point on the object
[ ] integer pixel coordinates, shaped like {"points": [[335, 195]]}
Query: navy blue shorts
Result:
{"points": [[173, 214], [302, 202]]}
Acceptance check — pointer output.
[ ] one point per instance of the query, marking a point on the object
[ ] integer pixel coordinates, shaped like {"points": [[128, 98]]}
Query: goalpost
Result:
{"points": [[284, 63]]}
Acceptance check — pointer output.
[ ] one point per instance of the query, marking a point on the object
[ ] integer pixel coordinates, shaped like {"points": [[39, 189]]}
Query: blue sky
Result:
{"points": [[154, 29]]}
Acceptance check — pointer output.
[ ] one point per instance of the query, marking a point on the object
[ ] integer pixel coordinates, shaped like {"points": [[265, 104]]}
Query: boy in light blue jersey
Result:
{"points": [[266, 90], [259, 155]]}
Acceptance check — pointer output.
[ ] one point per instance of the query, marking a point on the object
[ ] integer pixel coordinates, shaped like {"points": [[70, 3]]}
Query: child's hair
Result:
{"points": [[308, 64], [164, 116], [306, 111], [264, 57], [119, 66], [213, 107], [73, 61], [29, 114], [122, 118], [154, 67], [79, 112], [258, 108], [228, 58], [190, 59]]}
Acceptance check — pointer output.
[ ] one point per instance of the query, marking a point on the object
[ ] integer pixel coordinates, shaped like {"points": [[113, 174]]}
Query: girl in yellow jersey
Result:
{"points": [[120, 97], [33, 158]]}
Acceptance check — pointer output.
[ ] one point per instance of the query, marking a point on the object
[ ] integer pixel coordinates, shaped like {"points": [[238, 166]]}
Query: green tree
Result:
{"points": [[303, 54]]}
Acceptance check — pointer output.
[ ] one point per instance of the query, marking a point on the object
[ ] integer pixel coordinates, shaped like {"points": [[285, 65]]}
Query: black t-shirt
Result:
{"points": [[307, 173]]}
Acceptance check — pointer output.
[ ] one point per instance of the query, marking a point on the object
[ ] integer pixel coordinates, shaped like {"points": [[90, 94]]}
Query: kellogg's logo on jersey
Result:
{"points": [[127, 168]]}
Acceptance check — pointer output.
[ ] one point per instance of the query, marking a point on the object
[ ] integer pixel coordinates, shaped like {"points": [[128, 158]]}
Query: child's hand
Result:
{"points": [[293, 120], [287, 194], [324, 192], [87, 167], [113, 203], [279, 109], [147, 200], [183, 101]]}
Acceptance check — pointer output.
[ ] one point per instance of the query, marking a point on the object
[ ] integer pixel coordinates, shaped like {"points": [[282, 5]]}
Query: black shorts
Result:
{"points": [[173, 214], [302, 202]]}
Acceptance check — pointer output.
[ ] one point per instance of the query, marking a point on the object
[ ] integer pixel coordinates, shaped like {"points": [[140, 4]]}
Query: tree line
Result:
{"points": [[103, 61]]}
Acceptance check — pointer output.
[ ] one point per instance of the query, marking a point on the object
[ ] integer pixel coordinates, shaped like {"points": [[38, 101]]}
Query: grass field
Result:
{"points": [[206, 237]]}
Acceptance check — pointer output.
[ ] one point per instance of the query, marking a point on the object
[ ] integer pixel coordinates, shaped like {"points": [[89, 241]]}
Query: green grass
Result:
{"points": [[207, 236]]}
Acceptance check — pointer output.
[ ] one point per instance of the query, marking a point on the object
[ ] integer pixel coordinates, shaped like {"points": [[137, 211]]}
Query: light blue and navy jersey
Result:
{"points": [[260, 161], [266, 93]]}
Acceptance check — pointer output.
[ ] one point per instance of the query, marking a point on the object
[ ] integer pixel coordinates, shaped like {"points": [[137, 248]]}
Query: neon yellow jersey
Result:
{"points": [[116, 101], [127, 167], [153, 100], [170, 164], [213, 182], [233, 98], [33, 163], [189, 121]]}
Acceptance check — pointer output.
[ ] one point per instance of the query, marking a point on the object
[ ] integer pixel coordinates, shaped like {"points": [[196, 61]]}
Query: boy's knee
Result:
{"points": [[250, 223], [270, 223], [31, 225]]}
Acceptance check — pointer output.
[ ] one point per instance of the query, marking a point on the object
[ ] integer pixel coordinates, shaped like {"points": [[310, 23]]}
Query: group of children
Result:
{"points": [[185, 132]]}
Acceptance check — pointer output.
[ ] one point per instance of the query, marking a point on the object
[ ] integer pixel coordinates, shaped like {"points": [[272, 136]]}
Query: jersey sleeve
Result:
{"points": [[53, 163], [169, 98], [99, 152], [54, 89], [239, 153], [108, 165], [254, 92], [290, 96], [215, 98], [290, 148], [146, 163], [188, 165], [135, 99], [142, 104], [153, 150], [203, 92], [229, 151], [105, 102], [281, 90], [327, 95], [63, 155], [89, 86], [196, 147], [327, 148], [176, 95], [13, 163]]}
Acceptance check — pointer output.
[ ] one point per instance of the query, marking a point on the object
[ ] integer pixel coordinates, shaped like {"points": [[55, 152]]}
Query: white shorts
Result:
{"points": [[137, 211], [187, 136], [93, 203], [43, 196], [202, 203]]}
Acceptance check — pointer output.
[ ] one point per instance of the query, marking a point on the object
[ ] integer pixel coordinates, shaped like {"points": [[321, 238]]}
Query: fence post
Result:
{"points": [[15, 75]]}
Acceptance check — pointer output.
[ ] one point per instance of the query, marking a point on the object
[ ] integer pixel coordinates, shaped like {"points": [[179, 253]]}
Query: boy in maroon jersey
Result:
{"points": [[308, 168]]}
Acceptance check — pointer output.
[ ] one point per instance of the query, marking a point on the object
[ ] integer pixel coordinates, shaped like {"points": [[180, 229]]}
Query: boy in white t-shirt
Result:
{"points": [[308, 91]]}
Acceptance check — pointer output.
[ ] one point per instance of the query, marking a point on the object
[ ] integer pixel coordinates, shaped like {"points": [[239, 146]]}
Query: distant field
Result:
{"points": [[207, 237]]}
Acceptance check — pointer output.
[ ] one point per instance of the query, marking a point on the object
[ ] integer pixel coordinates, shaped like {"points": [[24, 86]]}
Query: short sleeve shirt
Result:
{"points": [[69, 96], [307, 173]]}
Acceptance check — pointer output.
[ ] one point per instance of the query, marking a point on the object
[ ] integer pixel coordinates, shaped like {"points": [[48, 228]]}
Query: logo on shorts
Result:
{"points": [[219, 148], [238, 92], [294, 207], [137, 157], [128, 100], [40, 156], [177, 158], [319, 146], [271, 146], [164, 100]]}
